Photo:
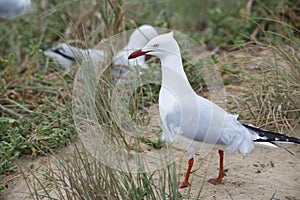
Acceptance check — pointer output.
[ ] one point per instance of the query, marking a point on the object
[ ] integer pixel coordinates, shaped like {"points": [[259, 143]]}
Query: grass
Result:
{"points": [[274, 102], [33, 118], [79, 176], [35, 95]]}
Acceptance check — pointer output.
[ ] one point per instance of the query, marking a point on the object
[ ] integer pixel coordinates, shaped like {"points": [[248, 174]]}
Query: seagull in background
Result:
{"points": [[12, 8], [195, 120], [65, 55]]}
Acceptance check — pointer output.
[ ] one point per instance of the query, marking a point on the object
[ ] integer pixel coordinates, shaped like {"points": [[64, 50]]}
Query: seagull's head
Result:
{"points": [[160, 46], [141, 36]]}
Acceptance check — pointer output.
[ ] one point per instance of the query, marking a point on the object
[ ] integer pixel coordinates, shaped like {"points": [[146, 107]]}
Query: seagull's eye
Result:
{"points": [[156, 45]]}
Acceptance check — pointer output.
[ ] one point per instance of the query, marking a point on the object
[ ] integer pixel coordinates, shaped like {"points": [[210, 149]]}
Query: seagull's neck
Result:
{"points": [[173, 75]]}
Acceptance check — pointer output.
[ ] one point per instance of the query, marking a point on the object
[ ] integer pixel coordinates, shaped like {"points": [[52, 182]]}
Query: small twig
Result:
{"points": [[198, 167], [229, 194], [272, 197], [256, 30], [19, 105], [9, 111], [248, 8]]}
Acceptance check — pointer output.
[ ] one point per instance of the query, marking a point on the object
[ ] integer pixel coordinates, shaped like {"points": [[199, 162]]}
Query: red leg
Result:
{"points": [[185, 183], [218, 180]]}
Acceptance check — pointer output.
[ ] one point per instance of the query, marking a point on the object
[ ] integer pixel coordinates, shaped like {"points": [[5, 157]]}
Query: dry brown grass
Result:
{"points": [[263, 84]]}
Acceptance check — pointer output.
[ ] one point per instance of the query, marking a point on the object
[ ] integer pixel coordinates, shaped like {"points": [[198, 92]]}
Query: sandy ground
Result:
{"points": [[264, 174]]}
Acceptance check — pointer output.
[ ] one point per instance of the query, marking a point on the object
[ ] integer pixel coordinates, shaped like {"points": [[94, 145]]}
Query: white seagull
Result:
{"points": [[65, 55], [195, 120], [12, 8]]}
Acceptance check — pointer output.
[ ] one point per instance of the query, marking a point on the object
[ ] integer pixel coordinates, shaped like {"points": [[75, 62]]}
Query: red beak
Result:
{"points": [[137, 53]]}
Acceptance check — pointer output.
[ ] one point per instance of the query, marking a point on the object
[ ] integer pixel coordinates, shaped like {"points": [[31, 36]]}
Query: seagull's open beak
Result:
{"points": [[137, 53]]}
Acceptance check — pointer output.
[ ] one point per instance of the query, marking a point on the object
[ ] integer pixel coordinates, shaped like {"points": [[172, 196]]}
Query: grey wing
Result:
{"points": [[171, 125]]}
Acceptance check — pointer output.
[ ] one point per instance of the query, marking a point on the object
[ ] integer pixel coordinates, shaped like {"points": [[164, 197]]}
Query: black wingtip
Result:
{"points": [[272, 136], [60, 51]]}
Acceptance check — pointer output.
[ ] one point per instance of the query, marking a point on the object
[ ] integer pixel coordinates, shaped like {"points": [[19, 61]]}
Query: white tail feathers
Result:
{"points": [[265, 144]]}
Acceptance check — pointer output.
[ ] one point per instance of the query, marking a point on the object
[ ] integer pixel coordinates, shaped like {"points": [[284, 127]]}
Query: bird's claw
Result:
{"points": [[217, 181], [184, 185]]}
